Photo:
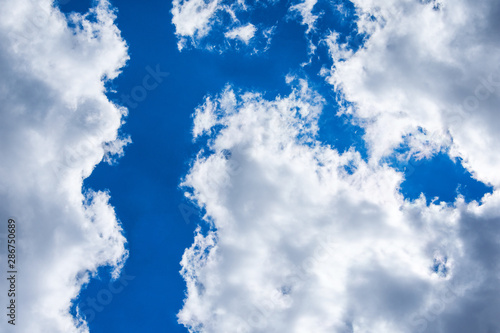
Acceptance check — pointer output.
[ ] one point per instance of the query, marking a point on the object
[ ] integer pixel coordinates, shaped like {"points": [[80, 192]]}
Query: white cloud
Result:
{"points": [[193, 18], [57, 124], [338, 52], [244, 33], [305, 239], [305, 9], [216, 25], [429, 71]]}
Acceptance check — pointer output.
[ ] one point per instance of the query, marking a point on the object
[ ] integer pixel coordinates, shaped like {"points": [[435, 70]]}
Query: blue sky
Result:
{"points": [[368, 98]]}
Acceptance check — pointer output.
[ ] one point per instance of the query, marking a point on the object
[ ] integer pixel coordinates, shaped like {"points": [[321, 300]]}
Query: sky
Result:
{"points": [[211, 166]]}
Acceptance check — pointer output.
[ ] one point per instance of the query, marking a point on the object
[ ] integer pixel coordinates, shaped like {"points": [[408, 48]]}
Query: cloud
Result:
{"points": [[305, 9], [305, 239], [57, 125], [430, 71], [244, 33], [193, 18], [218, 26]]}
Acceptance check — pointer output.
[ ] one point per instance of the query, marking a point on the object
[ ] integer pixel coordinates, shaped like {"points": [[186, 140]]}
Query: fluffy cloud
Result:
{"points": [[57, 124], [192, 18], [304, 239], [430, 71], [217, 25], [244, 33]]}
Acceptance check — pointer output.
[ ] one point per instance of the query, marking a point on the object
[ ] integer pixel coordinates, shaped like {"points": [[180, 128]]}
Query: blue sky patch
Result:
{"points": [[443, 178]]}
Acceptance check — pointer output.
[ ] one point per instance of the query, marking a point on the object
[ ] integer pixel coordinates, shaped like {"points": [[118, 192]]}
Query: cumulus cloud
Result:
{"points": [[215, 25], [430, 71], [57, 125], [305, 239]]}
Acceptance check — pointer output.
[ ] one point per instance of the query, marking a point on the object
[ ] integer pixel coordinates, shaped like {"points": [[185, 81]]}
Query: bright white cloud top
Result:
{"points": [[305, 239], [57, 124]]}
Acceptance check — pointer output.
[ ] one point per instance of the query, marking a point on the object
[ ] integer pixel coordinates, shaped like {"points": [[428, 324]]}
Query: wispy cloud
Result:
{"points": [[218, 26]]}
